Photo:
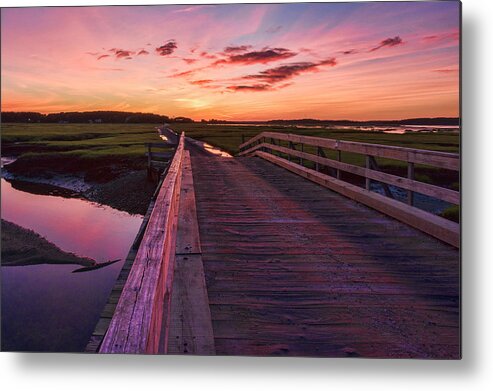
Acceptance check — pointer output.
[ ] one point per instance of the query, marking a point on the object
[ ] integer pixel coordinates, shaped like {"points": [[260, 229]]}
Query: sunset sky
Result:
{"points": [[236, 62]]}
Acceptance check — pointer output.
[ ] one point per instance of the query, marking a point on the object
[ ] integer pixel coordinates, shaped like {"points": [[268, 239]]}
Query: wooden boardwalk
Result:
{"points": [[257, 256], [295, 269]]}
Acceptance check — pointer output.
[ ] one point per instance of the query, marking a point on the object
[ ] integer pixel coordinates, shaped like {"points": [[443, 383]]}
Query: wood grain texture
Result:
{"points": [[293, 268], [190, 330], [143, 307], [188, 240]]}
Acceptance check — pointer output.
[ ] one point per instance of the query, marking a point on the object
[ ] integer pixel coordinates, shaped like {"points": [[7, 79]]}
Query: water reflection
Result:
{"points": [[209, 148], [167, 134], [74, 225], [47, 307]]}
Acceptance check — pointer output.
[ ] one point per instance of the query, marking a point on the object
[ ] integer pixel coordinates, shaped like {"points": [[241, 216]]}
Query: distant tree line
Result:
{"points": [[91, 117], [132, 118], [446, 121]]}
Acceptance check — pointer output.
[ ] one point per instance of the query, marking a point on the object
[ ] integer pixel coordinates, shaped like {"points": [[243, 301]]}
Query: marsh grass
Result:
{"points": [[452, 213], [128, 139], [123, 144]]}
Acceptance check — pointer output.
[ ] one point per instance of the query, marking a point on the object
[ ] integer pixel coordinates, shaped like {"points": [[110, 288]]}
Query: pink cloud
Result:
{"points": [[263, 56], [286, 72], [446, 70], [389, 42], [168, 48]]}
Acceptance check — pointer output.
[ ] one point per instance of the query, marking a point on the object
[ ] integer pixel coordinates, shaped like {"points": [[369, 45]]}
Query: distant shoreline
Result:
{"points": [[115, 117]]}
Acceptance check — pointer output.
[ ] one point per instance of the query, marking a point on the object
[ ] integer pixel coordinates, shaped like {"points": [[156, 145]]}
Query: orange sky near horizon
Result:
{"points": [[358, 61]]}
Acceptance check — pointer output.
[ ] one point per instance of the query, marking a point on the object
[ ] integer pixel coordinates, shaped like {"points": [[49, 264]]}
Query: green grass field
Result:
{"points": [[94, 140], [83, 140], [124, 143]]}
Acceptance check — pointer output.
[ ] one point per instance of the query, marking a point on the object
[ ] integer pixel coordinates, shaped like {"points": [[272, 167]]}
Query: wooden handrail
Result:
{"points": [[264, 145], [438, 192], [142, 312], [446, 160]]}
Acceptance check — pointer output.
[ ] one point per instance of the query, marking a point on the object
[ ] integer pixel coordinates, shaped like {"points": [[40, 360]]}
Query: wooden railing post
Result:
{"points": [[338, 172], [149, 159], [386, 188], [410, 175], [273, 142], [367, 165], [302, 150], [321, 153]]}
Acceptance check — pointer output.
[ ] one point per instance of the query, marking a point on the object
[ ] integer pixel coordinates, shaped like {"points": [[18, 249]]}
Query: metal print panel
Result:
{"points": [[234, 179]]}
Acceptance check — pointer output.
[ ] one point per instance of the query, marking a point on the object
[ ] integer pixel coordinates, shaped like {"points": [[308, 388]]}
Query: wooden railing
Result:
{"points": [[141, 318], [158, 162], [266, 144]]}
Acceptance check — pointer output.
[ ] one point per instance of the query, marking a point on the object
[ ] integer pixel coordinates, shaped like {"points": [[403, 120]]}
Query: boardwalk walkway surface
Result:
{"points": [[292, 268]]}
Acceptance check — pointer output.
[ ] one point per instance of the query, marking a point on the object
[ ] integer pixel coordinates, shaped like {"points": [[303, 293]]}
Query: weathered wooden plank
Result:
{"points": [[436, 226], [449, 161], [300, 139], [101, 326], [191, 326], [295, 269], [438, 192], [93, 344], [160, 320], [188, 240], [190, 330], [144, 303], [252, 140]]}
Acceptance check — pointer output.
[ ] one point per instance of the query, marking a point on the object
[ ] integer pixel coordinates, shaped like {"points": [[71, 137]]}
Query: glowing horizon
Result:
{"points": [[356, 61]]}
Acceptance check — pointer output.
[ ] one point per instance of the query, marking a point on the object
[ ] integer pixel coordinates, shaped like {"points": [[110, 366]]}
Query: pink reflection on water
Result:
{"points": [[74, 225], [209, 148]]}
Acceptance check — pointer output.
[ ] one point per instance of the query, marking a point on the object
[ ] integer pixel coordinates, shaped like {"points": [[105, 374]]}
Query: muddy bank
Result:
{"points": [[116, 183], [95, 169], [22, 247], [41, 188], [131, 192]]}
